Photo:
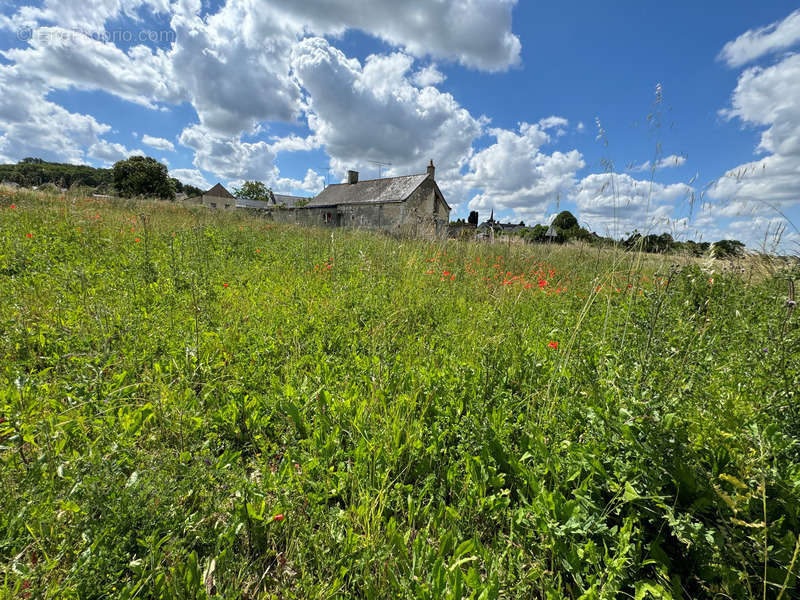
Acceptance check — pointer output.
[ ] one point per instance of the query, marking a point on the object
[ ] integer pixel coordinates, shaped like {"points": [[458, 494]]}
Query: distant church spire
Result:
{"points": [[491, 217]]}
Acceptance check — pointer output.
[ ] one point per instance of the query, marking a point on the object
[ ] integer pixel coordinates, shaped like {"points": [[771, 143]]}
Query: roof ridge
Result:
{"points": [[380, 179]]}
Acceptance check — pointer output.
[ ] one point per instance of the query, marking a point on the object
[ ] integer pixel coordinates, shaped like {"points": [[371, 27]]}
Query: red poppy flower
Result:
{"points": [[137, 240], [13, 206], [542, 283], [553, 345], [278, 517], [224, 285], [28, 235], [445, 273]]}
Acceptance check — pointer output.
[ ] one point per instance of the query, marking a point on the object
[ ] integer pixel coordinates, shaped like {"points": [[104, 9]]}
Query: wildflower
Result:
{"points": [[224, 285], [542, 283], [137, 240], [278, 517], [553, 345], [429, 272], [452, 277], [445, 273], [258, 250], [28, 235], [528, 286], [13, 206]]}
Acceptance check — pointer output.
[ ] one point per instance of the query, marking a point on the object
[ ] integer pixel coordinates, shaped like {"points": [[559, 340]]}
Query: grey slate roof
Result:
{"points": [[282, 200], [288, 201], [245, 203], [371, 191]]}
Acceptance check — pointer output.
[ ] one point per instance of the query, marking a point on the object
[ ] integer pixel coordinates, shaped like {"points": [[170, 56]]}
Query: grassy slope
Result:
{"points": [[210, 404]]}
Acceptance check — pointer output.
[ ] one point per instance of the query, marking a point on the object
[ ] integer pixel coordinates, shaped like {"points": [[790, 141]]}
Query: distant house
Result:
{"points": [[409, 203], [218, 197], [497, 226]]}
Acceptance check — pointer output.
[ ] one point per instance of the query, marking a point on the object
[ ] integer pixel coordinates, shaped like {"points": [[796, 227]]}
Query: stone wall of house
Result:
{"points": [[218, 202]]}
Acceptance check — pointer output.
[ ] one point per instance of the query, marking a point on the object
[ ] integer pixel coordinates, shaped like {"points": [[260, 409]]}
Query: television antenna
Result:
{"points": [[380, 166], [327, 174]]}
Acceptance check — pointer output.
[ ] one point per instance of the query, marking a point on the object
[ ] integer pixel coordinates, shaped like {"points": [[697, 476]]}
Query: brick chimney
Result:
{"points": [[431, 170], [352, 177]]}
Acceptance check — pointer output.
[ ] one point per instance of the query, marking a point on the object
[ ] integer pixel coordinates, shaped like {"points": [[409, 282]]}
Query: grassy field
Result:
{"points": [[201, 405]]}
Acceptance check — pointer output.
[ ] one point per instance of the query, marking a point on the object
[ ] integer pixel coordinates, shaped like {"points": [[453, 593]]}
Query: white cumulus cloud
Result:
{"points": [[228, 156], [673, 160], [615, 204], [191, 177], [158, 143], [514, 174], [374, 112], [766, 97], [111, 152], [429, 75], [756, 43]]}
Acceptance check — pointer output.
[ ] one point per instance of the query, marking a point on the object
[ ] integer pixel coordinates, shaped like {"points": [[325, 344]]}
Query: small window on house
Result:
{"points": [[327, 218], [213, 205], [227, 206]]}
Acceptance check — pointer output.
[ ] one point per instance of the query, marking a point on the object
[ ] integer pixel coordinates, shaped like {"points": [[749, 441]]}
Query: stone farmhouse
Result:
{"points": [[409, 204]]}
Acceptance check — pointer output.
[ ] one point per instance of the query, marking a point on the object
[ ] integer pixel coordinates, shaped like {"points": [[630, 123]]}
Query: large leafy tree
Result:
{"points": [[565, 221], [253, 190], [143, 176]]}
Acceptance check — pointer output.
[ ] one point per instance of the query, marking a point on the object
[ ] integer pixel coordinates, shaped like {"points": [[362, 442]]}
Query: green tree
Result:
{"points": [[143, 176], [565, 221], [537, 233], [253, 190], [725, 248]]}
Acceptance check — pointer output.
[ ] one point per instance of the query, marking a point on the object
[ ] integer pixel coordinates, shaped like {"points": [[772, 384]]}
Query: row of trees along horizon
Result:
{"points": [[567, 229], [132, 177], [143, 176]]}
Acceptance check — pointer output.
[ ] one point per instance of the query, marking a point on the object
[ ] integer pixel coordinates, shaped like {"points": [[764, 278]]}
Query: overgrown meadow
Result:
{"points": [[205, 405]]}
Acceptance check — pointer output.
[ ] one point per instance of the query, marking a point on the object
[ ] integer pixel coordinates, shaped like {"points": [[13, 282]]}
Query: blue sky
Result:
{"points": [[506, 97]]}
